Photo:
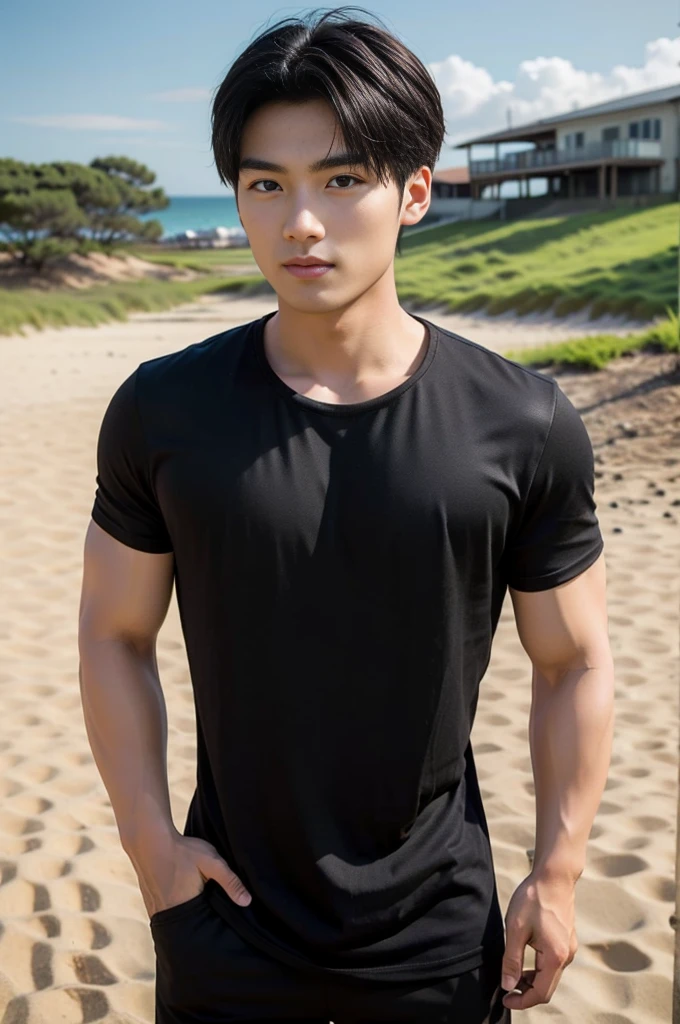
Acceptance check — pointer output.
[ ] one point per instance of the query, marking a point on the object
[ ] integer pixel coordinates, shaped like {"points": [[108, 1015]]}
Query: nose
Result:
{"points": [[301, 222]]}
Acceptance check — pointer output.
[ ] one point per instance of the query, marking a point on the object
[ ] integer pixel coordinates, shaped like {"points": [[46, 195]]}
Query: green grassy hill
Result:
{"points": [[619, 261]]}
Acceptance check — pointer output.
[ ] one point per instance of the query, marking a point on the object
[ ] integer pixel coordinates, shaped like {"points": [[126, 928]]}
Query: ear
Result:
{"points": [[417, 196]]}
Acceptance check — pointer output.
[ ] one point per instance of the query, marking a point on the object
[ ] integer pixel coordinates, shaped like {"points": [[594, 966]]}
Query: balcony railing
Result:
{"points": [[535, 158]]}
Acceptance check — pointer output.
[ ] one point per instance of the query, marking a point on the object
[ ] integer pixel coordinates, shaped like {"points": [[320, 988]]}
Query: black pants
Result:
{"points": [[207, 974]]}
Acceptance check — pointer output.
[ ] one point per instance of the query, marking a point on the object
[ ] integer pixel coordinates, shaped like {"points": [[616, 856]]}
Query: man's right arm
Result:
{"points": [[124, 601], [125, 597]]}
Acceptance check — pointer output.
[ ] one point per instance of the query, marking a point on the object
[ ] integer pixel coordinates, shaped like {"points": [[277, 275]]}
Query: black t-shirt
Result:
{"points": [[340, 571]]}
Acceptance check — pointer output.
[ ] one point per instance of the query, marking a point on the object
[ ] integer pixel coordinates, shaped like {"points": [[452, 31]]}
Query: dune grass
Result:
{"points": [[621, 262], [200, 260], [595, 351], [100, 303]]}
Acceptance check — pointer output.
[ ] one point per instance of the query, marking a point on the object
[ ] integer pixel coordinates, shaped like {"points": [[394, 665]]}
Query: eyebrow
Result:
{"points": [[338, 160]]}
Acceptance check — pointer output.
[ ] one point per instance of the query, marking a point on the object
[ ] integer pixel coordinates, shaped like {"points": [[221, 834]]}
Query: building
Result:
{"points": [[451, 183], [629, 146], [208, 238], [451, 199]]}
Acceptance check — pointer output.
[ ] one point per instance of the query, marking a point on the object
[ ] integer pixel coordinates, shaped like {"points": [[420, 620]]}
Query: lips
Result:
{"points": [[308, 271], [307, 263]]}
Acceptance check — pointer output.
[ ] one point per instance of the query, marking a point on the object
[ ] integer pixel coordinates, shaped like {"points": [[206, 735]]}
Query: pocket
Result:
{"points": [[178, 910]]}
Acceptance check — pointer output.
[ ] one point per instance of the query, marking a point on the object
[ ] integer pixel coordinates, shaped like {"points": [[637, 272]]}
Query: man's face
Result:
{"points": [[340, 214]]}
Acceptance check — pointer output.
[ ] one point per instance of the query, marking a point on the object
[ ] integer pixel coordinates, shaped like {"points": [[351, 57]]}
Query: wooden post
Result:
{"points": [[601, 188], [614, 182]]}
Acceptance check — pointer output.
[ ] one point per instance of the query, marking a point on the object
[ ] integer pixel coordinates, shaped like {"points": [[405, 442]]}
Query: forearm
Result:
{"points": [[570, 733], [126, 723]]}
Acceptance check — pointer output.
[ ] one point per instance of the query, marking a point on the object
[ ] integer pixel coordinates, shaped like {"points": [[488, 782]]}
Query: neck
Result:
{"points": [[371, 340]]}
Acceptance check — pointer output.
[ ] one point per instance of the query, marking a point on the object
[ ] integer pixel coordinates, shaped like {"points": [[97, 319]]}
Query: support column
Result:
{"points": [[614, 182], [601, 183]]}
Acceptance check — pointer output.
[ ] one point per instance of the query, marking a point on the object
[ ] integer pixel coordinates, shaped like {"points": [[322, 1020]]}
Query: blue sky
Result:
{"points": [[80, 80]]}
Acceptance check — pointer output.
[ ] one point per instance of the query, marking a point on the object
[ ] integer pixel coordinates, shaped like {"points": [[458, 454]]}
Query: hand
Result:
{"points": [[170, 867], [540, 914]]}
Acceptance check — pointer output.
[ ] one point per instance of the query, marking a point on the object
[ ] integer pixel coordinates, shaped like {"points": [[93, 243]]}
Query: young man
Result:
{"points": [[342, 493]]}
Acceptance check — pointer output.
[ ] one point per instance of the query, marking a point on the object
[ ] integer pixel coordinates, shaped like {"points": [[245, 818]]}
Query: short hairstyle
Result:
{"points": [[385, 100]]}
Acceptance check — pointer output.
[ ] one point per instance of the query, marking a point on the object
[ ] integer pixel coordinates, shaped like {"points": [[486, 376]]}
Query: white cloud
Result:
{"points": [[182, 96], [94, 123], [543, 87]]}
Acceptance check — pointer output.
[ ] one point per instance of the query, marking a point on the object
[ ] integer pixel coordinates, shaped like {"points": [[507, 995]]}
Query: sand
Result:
{"points": [[74, 938], [76, 271]]}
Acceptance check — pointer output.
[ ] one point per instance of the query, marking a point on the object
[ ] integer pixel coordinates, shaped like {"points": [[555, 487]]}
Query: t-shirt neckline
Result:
{"points": [[342, 408]]}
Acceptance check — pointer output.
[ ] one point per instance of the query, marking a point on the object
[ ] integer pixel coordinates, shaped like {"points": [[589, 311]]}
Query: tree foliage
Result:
{"points": [[50, 210]]}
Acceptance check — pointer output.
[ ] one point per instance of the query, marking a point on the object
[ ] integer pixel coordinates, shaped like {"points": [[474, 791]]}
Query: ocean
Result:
{"points": [[197, 213]]}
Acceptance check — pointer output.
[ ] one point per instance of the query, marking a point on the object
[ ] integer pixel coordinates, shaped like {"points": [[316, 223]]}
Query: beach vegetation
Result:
{"points": [[595, 351], [50, 210]]}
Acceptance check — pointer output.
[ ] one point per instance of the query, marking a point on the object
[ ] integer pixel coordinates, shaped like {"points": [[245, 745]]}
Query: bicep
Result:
{"points": [[125, 591], [565, 626]]}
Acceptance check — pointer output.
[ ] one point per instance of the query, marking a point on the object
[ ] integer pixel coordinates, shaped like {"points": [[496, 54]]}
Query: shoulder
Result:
{"points": [[496, 363], [192, 366], [501, 388]]}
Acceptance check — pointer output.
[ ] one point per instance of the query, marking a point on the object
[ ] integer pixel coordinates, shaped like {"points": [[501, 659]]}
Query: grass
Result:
{"points": [[621, 261], [104, 302], [200, 260], [594, 352]]}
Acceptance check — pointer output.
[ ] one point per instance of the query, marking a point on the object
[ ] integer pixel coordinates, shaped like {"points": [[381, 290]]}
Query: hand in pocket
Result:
{"points": [[173, 870]]}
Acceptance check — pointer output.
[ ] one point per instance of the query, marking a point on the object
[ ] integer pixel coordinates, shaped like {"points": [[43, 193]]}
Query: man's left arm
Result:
{"points": [[564, 631]]}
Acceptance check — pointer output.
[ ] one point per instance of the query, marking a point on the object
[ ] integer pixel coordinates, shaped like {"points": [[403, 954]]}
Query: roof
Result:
{"points": [[452, 175], [648, 98]]}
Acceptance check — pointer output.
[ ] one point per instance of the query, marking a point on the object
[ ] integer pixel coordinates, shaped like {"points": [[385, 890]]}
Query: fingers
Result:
{"points": [[229, 880], [536, 986], [516, 939], [518, 998]]}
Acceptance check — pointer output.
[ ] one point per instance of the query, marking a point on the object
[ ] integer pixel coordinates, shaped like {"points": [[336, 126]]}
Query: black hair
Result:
{"points": [[386, 102]]}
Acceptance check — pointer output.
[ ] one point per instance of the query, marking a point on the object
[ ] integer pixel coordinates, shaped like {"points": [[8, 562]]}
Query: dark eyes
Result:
{"points": [[261, 181]]}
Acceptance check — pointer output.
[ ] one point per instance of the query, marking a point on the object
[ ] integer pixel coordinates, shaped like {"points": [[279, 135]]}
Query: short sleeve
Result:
{"points": [[125, 504], [558, 535]]}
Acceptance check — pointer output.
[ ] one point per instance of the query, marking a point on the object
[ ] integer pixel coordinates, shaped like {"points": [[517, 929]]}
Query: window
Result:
{"points": [[610, 134], [573, 140], [650, 128]]}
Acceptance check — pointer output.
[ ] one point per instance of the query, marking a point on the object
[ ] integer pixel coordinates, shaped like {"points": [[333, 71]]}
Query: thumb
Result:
{"points": [[229, 881], [513, 959]]}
